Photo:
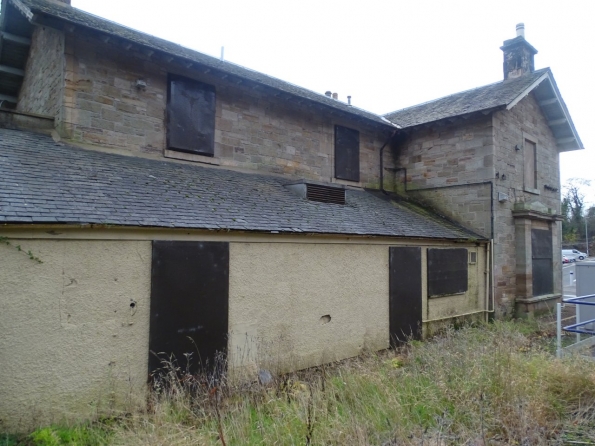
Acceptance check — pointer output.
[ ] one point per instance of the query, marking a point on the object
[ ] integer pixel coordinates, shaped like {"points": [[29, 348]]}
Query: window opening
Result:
{"points": [[346, 153], [190, 116]]}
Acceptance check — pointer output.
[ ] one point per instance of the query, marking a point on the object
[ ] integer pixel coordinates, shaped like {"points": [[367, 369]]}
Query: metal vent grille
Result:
{"points": [[325, 194]]}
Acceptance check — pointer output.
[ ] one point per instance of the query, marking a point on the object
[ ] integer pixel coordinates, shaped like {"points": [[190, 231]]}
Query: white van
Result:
{"points": [[574, 253]]}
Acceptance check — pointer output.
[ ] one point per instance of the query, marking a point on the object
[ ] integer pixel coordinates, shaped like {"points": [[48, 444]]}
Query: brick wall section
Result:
{"points": [[253, 130], [474, 150], [43, 86]]}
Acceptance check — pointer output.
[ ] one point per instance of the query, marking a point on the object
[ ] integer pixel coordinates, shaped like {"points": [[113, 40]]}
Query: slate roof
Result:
{"points": [[492, 96], [46, 182], [75, 16]]}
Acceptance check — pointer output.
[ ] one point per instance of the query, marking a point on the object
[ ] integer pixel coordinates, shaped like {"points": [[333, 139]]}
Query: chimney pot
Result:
{"points": [[328, 93], [348, 100], [520, 30], [335, 96]]}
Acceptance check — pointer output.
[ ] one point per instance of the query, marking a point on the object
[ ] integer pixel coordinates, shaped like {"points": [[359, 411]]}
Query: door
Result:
{"points": [[404, 294], [189, 305]]}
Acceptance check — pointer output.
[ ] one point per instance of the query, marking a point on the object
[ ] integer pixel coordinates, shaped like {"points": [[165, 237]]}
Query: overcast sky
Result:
{"points": [[386, 54]]}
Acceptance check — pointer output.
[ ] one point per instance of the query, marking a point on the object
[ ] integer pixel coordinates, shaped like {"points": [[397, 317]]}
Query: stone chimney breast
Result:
{"points": [[518, 55]]}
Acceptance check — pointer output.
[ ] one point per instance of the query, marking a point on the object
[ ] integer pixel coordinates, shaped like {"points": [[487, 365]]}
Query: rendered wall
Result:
{"points": [[254, 129], [280, 292], [71, 345], [43, 86]]}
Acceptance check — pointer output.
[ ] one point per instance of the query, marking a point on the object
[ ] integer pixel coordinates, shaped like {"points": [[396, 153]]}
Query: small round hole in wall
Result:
{"points": [[325, 319], [132, 304]]}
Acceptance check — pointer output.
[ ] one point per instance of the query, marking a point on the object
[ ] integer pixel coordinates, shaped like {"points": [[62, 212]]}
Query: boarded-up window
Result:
{"points": [[346, 153], [530, 164], [190, 116], [447, 271], [542, 258]]}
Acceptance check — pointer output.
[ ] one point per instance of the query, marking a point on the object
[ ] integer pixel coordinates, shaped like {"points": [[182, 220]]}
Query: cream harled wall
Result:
{"points": [[70, 342], [300, 305], [74, 330]]}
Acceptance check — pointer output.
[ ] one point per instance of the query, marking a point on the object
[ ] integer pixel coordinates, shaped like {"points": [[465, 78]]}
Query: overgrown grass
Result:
{"points": [[493, 384]]}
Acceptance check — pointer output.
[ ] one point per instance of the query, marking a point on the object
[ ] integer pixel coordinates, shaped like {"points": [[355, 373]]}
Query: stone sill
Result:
{"points": [[532, 191], [532, 300], [347, 182], [191, 157]]}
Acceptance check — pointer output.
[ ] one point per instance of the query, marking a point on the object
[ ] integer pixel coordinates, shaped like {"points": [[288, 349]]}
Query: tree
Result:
{"points": [[573, 211]]}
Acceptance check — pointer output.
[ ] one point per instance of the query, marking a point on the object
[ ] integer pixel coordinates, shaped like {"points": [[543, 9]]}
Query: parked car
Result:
{"points": [[574, 253], [565, 259]]}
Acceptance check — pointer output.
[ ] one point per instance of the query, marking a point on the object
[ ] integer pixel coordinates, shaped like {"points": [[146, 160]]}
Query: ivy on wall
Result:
{"points": [[4, 240]]}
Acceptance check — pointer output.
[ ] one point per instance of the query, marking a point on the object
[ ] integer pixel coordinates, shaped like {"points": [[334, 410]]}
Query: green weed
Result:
{"points": [[488, 384]]}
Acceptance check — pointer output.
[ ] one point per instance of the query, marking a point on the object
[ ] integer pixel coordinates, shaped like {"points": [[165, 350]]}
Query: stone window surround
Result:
{"points": [[523, 220], [534, 140]]}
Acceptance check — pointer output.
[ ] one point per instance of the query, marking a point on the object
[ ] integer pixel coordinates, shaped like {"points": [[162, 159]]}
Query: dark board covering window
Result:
{"points": [[346, 153], [447, 271], [542, 262], [190, 116]]}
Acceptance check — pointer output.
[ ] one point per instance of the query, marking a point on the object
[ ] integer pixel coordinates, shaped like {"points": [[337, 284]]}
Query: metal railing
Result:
{"points": [[581, 327]]}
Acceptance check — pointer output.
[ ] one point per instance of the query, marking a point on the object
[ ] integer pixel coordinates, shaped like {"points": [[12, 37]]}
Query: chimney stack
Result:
{"points": [[336, 96], [518, 55], [328, 93]]}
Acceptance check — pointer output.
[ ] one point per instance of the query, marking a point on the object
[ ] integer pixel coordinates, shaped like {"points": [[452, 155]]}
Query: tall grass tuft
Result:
{"points": [[492, 384]]}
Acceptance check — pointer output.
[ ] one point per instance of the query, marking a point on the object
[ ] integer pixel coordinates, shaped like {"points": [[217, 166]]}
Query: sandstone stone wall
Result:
{"points": [[511, 127], [526, 118], [443, 158], [43, 86], [254, 128]]}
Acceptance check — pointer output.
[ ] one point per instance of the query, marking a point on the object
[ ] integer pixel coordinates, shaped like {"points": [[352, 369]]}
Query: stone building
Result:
{"points": [[489, 159], [155, 199], [158, 200]]}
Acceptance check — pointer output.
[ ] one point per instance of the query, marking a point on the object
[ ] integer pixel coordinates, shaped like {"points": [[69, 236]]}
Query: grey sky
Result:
{"points": [[385, 54]]}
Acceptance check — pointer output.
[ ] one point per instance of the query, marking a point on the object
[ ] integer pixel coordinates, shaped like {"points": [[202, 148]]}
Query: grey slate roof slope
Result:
{"points": [[491, 96], [84, 19], [45, 182]]}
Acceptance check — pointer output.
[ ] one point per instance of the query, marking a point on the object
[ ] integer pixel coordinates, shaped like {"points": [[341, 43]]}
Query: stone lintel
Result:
{"points": [[536, 215]]}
